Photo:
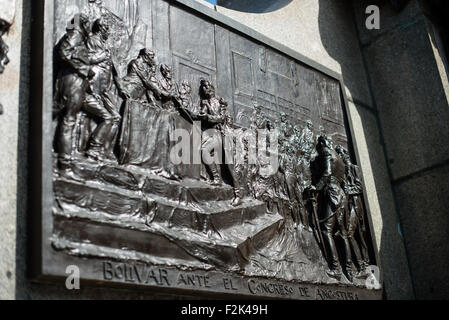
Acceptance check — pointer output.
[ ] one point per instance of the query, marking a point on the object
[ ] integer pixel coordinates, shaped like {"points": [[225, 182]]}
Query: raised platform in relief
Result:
{"points": [[139, 218], [140, 225]]}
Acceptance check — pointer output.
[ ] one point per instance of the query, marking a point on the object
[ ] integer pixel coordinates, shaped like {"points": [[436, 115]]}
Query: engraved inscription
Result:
{"points": [[134, 273], [194, 280], [265, 287], [327, 294]]}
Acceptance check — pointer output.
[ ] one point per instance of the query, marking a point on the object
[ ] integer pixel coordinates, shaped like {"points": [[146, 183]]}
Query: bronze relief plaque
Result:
{"points": [[181, 151]]}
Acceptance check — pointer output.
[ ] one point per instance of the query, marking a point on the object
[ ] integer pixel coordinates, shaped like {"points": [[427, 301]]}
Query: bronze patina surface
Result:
{"points": [[121, 78]]}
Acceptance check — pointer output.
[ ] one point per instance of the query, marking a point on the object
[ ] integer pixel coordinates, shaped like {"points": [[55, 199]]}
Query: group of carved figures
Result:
{"points": [[88, 85], [322, 190], [320, 185]]}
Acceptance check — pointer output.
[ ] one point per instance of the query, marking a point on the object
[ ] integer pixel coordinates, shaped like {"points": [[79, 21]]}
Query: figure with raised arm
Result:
{"points": [[211, 116]]}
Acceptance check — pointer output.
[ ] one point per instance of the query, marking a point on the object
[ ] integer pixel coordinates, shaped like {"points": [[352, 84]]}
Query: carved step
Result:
{"points": [[228, 247], [138, 179], [95, 197], [214, 215]]}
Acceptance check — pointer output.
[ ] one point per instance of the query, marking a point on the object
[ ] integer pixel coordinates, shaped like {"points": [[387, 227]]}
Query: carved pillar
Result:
{"points": [[7, 13]]}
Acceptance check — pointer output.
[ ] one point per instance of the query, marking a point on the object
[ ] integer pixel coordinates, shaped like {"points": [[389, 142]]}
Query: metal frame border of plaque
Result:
{"points": [[45, 262]]}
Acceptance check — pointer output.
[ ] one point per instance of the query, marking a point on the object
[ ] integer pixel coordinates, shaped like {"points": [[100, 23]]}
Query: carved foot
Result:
{"points": [[169, 175], [237, 201], [336, 274], [364, 272], [349, 273], [216, 182], [69, 174], [94, 155]]}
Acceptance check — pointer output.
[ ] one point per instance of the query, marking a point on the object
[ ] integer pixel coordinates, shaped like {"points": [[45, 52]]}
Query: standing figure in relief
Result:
{"points": [[284, 133], [288, 168], [183, 101], [185, 96], [285, 129], [355, 222], [234, 160], [71, 85], [258, 122], [307, 141], [298, 166], [121, 40], [140, 82], [331, 179], [307, 152], [101, 101], [211, 116], [167, 89]]}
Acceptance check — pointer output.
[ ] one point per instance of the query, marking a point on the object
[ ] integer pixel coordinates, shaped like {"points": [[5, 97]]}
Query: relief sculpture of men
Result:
{"points": [[234, 162], [119, 40], [140, 80], [307, 142], [288, 168], [101, 100], [149, 115], [135, 179], [184, 100], [71, 85], [167, 89], [354, 219], [331, 175], [212, 118]]}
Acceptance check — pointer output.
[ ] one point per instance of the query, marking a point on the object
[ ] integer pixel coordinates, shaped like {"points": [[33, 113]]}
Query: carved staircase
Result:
{"points": [[188, 221]]}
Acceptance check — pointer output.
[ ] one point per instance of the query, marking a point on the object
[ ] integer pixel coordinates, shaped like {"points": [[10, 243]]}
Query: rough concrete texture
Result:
{"points": [[8, 11], [385, 221], [390, 18], [322, 30], [410, 87], [9, 98], [410, 98], [424, 214]]}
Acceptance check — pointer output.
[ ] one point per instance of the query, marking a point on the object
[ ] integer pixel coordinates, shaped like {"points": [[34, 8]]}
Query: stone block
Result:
{"points": [[410, 97], [425, 220], [380, 201], [390, 18]]}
